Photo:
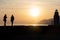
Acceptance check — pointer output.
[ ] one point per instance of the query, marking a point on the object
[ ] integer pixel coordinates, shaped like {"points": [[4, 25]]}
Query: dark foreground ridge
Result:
{"points": [[30, 33]]}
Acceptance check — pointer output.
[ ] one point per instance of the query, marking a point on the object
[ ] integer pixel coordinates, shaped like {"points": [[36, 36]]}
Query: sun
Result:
{"points": [[34, 11]]}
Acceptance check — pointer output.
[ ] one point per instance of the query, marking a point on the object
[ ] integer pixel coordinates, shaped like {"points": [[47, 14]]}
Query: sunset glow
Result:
{"points": [[28, 11], [34, 11]]}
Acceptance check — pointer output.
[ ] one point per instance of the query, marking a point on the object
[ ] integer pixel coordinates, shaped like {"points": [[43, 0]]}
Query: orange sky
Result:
{"points": [[20, 9]]}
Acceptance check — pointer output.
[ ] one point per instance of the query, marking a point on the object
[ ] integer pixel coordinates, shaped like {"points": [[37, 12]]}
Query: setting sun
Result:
{"points": [[34, 11]]}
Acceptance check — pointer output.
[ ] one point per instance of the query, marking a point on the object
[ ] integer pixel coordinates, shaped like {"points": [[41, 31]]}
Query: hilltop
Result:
{"points": [[30, 33]]}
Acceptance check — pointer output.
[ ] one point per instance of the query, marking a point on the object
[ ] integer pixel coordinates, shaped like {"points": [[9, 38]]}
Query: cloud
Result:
{"points": [[48, 21]]}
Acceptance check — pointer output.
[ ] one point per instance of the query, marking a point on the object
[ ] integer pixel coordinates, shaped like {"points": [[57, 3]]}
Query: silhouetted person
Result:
{"points": [[4, 19], [12, 20], [56, 18]]}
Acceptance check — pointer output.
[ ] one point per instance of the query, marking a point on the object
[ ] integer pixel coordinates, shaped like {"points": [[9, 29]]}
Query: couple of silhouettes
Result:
{"points": [[5, 19]]}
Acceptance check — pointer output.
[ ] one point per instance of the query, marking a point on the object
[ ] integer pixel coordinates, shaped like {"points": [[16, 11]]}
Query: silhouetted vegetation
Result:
{"points": [[56, 18]]}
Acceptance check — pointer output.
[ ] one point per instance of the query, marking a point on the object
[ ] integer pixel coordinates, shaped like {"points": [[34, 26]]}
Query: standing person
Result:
{"points": [[4, 19], [12, 20]]}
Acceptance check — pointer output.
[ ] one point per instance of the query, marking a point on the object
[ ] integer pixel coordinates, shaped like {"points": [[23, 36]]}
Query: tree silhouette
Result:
{"points": [[56, 17], [4, 19], [12, 20]]}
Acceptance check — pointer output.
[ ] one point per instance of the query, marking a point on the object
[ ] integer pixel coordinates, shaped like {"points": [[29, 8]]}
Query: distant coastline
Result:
{"points": [[25, 25]]}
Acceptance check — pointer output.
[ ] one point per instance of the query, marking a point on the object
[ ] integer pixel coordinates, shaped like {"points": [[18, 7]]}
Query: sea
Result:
{"points": [[25, 24]]}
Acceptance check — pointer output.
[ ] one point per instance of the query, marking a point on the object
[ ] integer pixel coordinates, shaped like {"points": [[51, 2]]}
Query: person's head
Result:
{"points": [[5, 14]]}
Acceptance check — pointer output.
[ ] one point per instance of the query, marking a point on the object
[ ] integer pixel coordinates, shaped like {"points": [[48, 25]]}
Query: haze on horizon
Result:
{"points": [[21, 10]]}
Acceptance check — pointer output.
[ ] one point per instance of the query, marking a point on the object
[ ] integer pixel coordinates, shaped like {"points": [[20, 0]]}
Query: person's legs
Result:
{"points": [[12, 23], [4, 23]]}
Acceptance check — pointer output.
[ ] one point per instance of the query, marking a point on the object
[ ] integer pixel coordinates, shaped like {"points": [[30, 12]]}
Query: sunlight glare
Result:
{"points": [[34, 11]]}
